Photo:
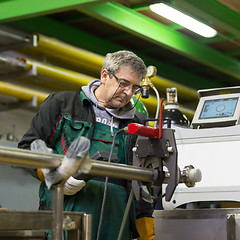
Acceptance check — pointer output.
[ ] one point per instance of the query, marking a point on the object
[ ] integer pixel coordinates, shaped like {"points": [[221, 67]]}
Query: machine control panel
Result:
{"points": [[217, 108]]}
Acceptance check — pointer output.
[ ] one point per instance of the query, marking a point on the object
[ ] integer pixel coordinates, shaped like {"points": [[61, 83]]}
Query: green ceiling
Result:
{"points": [[212, 66]]}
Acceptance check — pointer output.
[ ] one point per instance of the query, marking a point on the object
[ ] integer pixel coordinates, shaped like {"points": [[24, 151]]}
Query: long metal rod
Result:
{"points": [[125, 216], [100, 168], [86, 233], [57, 208], [7, 34], [231, 227], [27, 158]]}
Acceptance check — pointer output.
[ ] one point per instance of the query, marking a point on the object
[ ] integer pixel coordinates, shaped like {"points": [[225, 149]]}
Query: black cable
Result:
{"points": [[106, 183], [110, 98], [135, 104], [115, 94]]}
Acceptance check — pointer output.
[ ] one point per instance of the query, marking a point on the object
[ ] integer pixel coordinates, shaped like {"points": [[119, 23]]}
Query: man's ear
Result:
{"points": [[104, 76]]}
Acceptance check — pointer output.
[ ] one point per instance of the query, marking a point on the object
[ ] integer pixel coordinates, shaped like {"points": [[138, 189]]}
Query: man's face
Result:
{"points": [[117, 95]]}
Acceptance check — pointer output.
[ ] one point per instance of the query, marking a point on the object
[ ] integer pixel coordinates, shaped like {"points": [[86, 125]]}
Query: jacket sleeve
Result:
{"points": [[42, 126], [43, 123]]}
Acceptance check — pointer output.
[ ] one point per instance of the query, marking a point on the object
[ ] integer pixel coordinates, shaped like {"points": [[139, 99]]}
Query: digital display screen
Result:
{"points": [[219, 108]]}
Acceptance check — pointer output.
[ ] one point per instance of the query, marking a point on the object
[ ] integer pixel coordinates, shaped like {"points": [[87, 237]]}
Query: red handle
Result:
{"points": [[142, 130]]}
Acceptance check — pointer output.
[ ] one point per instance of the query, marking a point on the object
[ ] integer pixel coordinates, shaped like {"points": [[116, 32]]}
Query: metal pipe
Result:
{"points": [[125, 216], [78, 79], [82, 57], [5, 33], [100, 168], [57, 208], [22, 93], [86, 233], [72, 78], [12, 62], [69, 53], [27, 158], [60, 74]]}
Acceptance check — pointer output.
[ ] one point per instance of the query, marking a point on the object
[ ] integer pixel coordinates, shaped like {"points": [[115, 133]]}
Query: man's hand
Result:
{"points": [[44, 174], [73, 185], [76, 158], [39, 145]]}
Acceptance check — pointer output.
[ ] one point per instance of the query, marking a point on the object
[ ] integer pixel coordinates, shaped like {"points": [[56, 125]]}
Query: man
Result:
{"points": [[97, 112]]}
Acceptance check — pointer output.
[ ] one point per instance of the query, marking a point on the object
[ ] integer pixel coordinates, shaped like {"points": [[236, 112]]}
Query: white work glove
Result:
{"points": [[39, 145], [77, 155], [73, 185]]}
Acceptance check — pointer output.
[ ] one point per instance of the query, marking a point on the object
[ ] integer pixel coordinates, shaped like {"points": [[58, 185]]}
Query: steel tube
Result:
{"points": [[22, 93], [86, 233], [76, 56], [87, 59], [62, 75], [8, 35], [27, 158], [57, 208], [100, 168]]}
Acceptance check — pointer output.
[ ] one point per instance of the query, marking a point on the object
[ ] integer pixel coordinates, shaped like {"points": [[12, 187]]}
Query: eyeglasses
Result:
{"points": [[126, 84]]}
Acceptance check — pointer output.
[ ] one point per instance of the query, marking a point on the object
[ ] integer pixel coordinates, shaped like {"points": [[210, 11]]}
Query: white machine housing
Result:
{"points": [[213, 146]]}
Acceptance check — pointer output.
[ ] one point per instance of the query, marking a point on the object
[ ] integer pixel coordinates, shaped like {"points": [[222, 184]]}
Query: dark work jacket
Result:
{"points": [[74, 107]]}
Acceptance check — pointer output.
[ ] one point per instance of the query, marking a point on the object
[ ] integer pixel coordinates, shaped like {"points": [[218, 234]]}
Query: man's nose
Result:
{"points": [[128, 90]]}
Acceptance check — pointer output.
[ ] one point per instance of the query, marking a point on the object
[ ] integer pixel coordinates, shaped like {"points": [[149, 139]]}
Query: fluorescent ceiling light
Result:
{"points": [[183, 20]]}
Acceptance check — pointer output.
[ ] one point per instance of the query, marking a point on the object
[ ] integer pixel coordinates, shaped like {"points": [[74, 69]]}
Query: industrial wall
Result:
{"points": [[18, 190]]}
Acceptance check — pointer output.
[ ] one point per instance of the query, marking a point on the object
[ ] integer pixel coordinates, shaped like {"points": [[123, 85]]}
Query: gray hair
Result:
{"points": [[113, 61]]}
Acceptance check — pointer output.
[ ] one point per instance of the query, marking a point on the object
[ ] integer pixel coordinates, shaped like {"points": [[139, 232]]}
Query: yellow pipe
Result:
{"points": [[27, 94], [78, 79], [70, 78], [60, 74], [22, 93], [93, 61], [69, 53]]}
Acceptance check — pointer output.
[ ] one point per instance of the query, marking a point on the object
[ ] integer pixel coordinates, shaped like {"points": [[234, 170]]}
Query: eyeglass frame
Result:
{"points": [[120, 82]]}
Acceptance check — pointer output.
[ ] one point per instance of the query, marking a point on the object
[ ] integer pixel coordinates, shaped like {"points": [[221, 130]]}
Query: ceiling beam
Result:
{"points": [[15, 9], [153, 31]]}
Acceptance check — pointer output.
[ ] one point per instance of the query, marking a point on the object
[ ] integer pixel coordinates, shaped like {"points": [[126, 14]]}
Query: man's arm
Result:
{"points": [[42, 124]]}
